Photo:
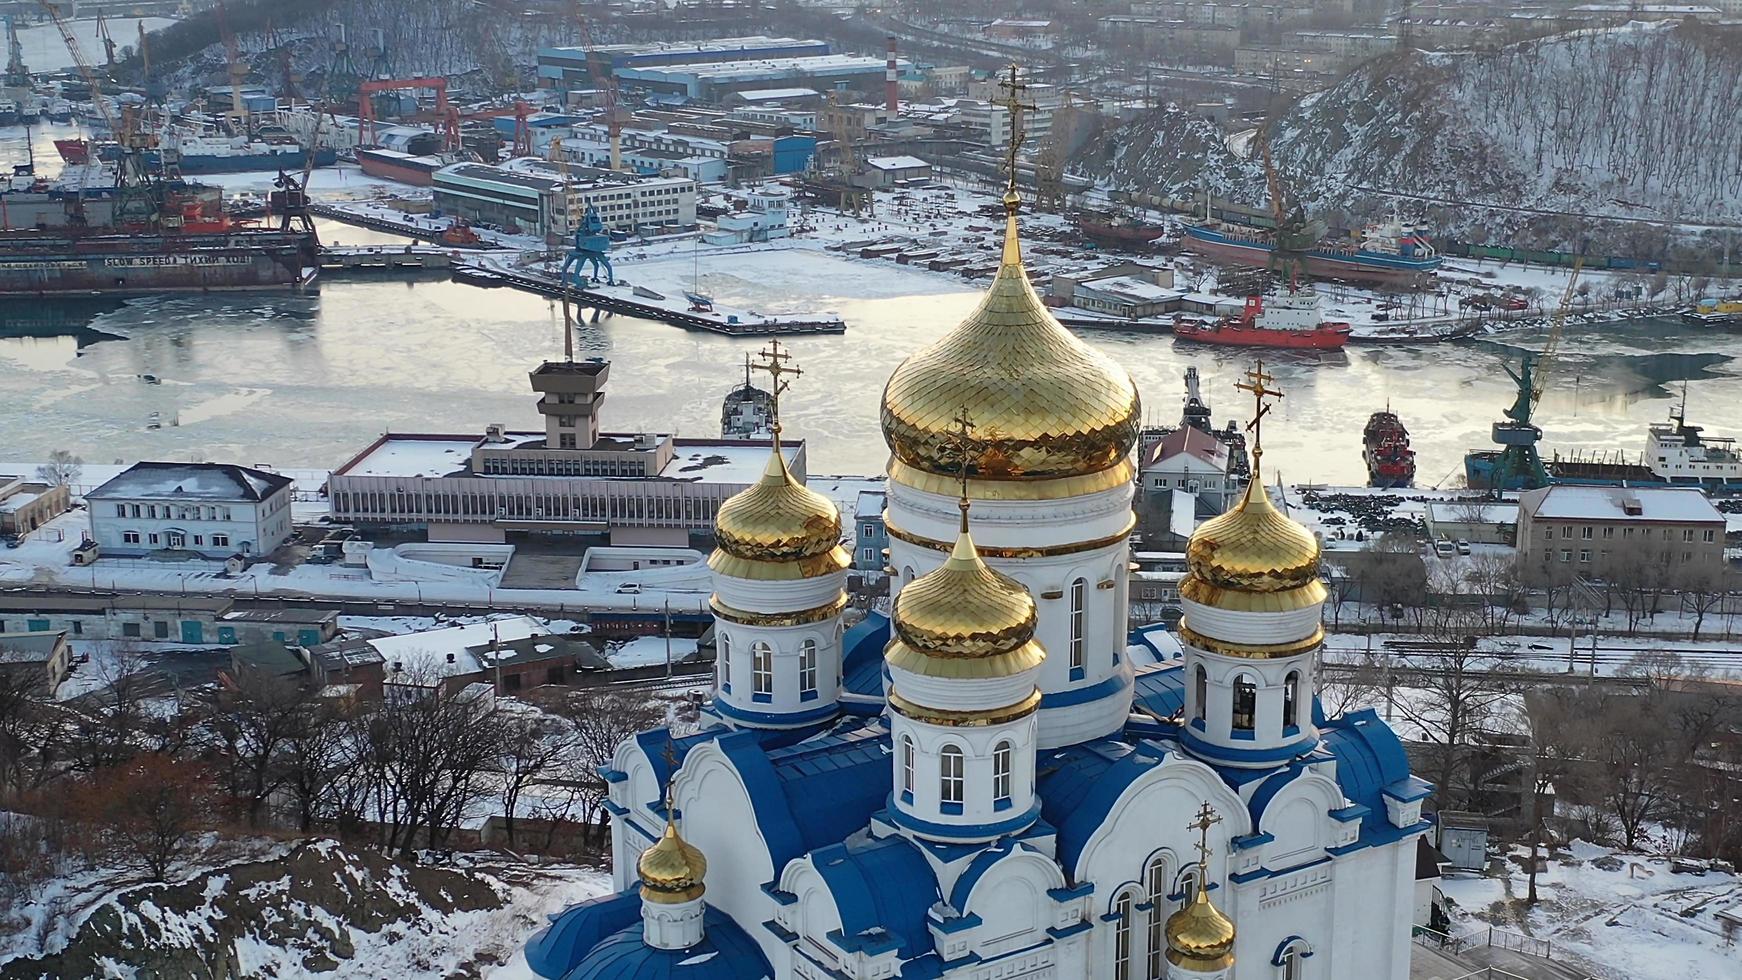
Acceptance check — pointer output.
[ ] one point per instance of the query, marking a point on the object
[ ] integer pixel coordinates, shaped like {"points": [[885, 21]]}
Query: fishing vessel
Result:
{"points": [[74, 151], [1385, 449], [1290, 318], [747, 411], [1389, 253]]}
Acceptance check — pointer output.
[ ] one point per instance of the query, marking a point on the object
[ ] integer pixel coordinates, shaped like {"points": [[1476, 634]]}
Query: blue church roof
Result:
{"points": [[1079, 784], [556, 948], [1161, 691], [1370, 763], [862, 662], [725, 953], [882, 889]]}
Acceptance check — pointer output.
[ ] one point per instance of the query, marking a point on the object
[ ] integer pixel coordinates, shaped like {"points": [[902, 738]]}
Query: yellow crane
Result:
{"points": [[1557, 325]]}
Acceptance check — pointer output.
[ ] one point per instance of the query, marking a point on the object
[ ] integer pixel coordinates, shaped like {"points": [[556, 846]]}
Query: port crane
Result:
{"points": [[447, 115], [238, 114], [606, 82], [17, 72], [1295, 235], [138, 200], [1518, 465]]}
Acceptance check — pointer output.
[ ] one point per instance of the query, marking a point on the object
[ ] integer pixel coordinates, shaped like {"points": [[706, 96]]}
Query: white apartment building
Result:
{"points": [[532, 194], [214, 510]]}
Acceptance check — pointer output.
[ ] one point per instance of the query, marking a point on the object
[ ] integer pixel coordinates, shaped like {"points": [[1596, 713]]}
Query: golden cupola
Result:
{"points": [[778, 528], [1252, 548], [1045, 404], [964, 619], [1200, 939], [672, 869]]}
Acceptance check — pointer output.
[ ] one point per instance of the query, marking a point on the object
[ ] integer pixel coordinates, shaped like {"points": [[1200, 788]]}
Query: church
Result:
{"points": [[998, 780]]}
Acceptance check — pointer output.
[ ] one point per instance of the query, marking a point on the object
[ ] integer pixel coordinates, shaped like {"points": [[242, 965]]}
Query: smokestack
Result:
{"points": [[891, 86]]}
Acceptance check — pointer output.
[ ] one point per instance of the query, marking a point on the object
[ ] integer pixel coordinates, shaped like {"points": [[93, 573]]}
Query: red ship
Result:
{"points": [[1291, 319], [1390, 461], [74, 151]]}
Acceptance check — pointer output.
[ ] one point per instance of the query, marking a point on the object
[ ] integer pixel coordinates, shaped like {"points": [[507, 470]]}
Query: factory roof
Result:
{"points": [[896, 163], [776, 94], [727, 71]]}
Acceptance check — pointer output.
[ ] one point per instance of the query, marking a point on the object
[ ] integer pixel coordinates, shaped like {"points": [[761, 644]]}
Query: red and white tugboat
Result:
{"points": [[1385, 441], [1289, 318]]}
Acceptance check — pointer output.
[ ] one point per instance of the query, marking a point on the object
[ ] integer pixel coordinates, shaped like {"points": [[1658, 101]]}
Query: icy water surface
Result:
{"points": [[308, 380]]}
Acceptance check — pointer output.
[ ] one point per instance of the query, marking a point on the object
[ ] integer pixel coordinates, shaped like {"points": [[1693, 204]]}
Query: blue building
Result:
{"points": [[870, 538], [567, 68]]}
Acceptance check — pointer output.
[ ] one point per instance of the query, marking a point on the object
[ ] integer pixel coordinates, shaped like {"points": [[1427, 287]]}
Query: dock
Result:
{"points": [[385, 259], [637, 301]]}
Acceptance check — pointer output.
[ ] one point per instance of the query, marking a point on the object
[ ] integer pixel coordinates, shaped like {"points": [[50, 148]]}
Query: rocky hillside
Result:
{"points": [[308, 908], [1638, 121]]}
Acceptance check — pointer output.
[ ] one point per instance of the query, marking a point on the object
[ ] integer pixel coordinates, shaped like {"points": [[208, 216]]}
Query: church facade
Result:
{"points": [[997, 780]]}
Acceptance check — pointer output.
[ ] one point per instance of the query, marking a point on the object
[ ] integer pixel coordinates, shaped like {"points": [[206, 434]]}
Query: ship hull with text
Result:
{"points": [[36, 265], [1386, 256]]}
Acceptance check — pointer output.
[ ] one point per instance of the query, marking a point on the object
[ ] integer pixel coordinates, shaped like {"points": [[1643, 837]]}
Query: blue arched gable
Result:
{"points": [[1267, 790], [882, 889], [862, 657], [1370, 762], [1079, 785]]}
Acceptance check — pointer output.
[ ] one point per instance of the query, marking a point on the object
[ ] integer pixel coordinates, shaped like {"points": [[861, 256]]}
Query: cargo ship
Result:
{"points": [[203, 154], [1383, 254], [1385, 449], [74, 151], [40, 265], [1681, 454], [1119, 231], [403, 167], [1286, 319]]}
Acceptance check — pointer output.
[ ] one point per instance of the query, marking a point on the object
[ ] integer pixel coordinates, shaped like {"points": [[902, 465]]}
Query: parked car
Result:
{"points": [[1463, 546], [1444, 548]]}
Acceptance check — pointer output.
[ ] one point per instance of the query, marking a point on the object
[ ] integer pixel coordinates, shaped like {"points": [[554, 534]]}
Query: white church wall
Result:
{"points": [[720, 821]]}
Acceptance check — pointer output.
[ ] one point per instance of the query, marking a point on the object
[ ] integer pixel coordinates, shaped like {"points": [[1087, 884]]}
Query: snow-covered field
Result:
{"points": [[1623, 916]]}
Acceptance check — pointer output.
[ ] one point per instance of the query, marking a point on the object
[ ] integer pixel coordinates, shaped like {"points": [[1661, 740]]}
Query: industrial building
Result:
{"points": [[532, 195], [714, 81], [569, 67], [645, 488]]}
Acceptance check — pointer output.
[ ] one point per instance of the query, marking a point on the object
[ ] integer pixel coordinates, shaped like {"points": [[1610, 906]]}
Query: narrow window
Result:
{"points": [[1155, 880], [906, 764], [1122, 910], [807, 669], [1188, 886], [1245, 703], [1290, 698], [950, 775], [1079, 593], [725, 662], [1200, 691], [1292, 967], [1001, 775], [762, 669]]}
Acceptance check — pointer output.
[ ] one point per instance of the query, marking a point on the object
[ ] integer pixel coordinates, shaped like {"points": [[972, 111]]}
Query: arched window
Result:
{"points": [[807, 669], [1155, 881], [907, 765], [1122, 911], [1293, 967], [1290, 698], [762, 669], [950, 788], [1189, 881], [1200, 691], [1079, 596], [1245, 703], [907, 575], [725, 654], [1001, 775]]}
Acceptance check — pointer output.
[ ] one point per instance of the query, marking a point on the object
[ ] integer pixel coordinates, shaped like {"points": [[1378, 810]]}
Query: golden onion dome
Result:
{"points": [[1253, 548], [671, 870], [1199, 936], [1043, 404], [778, 528], [964, 619]]}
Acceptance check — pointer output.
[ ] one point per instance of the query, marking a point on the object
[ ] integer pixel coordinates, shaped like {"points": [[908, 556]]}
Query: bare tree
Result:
{"points": [[426, 758], [61, 469], [603, 718], [149, 810], [534, 747], [1495, 580], [1703, 591], [1562, 735], [253, 724]]}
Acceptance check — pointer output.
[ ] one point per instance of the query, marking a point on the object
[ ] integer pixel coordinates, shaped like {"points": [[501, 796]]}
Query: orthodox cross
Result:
{"points": [[1258, 383], [1207, 818], [1012, 101], [774, 361], [670, 781], [964, 431]]}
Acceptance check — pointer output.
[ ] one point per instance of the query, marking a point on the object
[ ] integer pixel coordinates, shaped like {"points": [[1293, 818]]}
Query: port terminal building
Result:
{"points": [[533, 195], [566, 68], [569, 479], [714, 81]]}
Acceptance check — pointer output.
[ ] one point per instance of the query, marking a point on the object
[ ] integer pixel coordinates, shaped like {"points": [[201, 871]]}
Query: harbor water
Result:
{"points": [[310, 379]]}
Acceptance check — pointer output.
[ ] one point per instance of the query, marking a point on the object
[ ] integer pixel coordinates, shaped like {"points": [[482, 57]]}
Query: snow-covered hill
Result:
{"points": [[1631, 122], [302, 909]]}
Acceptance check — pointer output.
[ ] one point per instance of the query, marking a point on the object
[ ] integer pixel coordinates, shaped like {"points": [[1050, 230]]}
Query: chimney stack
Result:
{"points": [[891, 85]]}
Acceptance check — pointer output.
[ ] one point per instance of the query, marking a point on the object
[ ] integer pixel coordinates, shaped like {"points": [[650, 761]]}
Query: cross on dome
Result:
{"points": [[1012, 101], [1258, 382], [774, 361], [964, 433], [1207, 818]]}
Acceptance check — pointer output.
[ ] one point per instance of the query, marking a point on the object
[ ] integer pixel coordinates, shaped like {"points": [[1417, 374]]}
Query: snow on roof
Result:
{"points": [[1645, 504], [896, 163], [414, 455], [1133, 288], [724, 461], [21, 500], [429, 652], [770, 94], [870, 503], [192, 481]]}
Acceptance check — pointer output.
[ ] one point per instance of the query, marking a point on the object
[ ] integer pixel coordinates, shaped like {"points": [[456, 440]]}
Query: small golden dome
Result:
{"points": [[778, 528], [1199, 936], [1251, 548], [964, 619], [1044, 404], [671, 870]]}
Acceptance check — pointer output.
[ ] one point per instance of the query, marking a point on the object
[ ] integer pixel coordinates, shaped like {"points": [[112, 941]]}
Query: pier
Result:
{"points": [[731, 323], [385, 259]]}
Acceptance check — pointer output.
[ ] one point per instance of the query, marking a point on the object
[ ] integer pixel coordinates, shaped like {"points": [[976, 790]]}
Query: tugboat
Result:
{"points": [[1288, 319], [1385, 442]]}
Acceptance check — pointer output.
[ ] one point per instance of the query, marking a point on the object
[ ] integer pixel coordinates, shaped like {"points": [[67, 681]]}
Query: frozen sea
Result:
{"points": [[309, 380]]}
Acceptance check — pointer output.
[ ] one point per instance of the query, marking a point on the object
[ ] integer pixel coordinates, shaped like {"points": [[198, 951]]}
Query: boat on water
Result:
{"points": [[1388, 253], [1385, 449], [74, 151], [200, 153], [1683, 455], [747, 411], [1118, 231], [10, 114], [1715, 312], [1290, 318]]}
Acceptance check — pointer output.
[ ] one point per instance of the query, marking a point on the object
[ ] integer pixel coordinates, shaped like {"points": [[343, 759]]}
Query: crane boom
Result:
{"points": [[1556, 326], [83, 64], [233, 56], [607, 82]]}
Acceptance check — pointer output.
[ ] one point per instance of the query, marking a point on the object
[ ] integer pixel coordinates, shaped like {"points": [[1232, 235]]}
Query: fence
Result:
{"points": [[1489, 937]]}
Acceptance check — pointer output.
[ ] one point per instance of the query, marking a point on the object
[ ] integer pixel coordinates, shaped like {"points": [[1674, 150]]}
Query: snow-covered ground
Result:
{"points": [[1623, 916]]}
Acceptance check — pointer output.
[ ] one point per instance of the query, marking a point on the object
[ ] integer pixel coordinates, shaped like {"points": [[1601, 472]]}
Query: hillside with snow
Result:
{"points": [[1632, 122]]}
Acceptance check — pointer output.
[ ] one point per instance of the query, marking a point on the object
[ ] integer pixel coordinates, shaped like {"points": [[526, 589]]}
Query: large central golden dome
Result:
{"points": [[1043, 404]]}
